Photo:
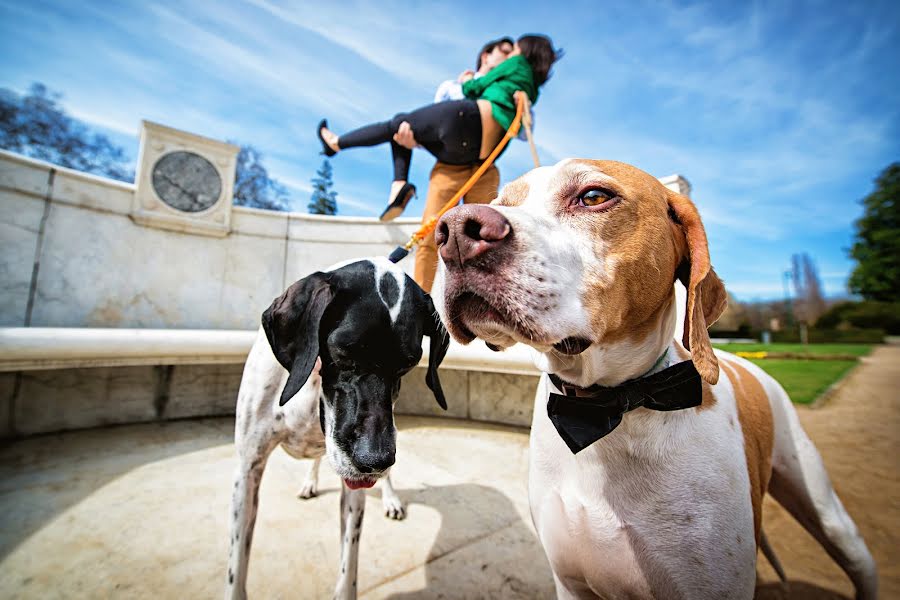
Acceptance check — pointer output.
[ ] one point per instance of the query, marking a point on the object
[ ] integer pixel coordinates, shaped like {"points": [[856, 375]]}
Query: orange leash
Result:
{"points": [[427, 229]]}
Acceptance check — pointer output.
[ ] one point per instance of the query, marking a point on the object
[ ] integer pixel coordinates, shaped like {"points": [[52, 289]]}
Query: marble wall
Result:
{"points": [[72, 256]]}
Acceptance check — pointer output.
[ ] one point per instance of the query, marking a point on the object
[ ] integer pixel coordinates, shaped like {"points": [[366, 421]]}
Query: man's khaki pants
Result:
{"points": [[445, 181]]}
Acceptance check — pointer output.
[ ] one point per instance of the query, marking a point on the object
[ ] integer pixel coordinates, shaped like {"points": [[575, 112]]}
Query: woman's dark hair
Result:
{"points": [[489, 47], [538, 51]]}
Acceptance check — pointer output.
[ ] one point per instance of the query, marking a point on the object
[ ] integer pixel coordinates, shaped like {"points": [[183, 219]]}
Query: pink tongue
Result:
{"points": [[355, 484]]}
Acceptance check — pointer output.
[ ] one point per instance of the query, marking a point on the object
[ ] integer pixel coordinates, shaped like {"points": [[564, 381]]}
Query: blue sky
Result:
{"points": [[780, 114]]}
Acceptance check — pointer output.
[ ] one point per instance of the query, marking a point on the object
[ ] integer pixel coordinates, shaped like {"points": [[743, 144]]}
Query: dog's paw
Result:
{"points": [[308, 491], [393, 509]]}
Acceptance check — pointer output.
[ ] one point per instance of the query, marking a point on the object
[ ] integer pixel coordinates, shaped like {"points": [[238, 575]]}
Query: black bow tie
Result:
{"points": [[584, 415]]}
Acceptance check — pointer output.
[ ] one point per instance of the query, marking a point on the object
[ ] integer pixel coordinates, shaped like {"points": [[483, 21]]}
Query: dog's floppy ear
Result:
{"points": [[706, 297], [291, 324], [437, 349]]}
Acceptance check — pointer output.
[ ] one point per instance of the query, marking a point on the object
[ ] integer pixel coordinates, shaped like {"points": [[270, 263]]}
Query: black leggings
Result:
{"points": [[451, 131]]}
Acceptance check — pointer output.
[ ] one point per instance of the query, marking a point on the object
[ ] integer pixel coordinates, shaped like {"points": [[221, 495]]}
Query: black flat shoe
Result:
{"points": [[326, 149], [398, 204]]}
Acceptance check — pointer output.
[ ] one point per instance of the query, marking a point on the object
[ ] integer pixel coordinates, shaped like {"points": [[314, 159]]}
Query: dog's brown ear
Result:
{"points": [[291, 324], [706, 297]]}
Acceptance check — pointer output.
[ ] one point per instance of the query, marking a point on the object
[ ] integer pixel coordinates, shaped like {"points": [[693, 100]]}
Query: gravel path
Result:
{"points": [[857, 430]]}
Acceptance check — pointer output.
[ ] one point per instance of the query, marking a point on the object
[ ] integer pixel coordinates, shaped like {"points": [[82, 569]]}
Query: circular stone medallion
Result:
{"points": [[186, 181]]}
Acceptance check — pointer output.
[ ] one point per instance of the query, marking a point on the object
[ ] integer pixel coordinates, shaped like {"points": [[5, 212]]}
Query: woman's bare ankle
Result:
{"points": [[396, 186], [330, 138]]}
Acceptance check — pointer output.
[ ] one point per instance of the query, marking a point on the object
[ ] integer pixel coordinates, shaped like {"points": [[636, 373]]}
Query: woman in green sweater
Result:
{"points": [[456, 132]]}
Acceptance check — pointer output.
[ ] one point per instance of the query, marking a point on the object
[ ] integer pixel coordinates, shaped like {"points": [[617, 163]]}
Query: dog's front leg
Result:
{"points": [[244, 504], [353, 506], [310, 485], [393, 507]]}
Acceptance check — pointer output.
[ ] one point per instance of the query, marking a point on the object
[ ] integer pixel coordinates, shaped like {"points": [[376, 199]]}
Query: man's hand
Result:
{"points": [[465, 76], [405, 137]]}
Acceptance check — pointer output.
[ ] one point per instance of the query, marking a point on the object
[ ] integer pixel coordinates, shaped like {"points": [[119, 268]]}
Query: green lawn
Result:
{"points": [[804, 380], [853, 349]]}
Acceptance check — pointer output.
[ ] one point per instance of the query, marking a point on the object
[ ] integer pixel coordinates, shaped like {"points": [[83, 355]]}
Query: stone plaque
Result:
{"points": [[186, 181]]}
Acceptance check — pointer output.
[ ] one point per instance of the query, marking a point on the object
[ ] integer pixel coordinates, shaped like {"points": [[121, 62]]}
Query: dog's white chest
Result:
{"points": [[622, 519], [606, 556], [302, 435], [308, 442]]}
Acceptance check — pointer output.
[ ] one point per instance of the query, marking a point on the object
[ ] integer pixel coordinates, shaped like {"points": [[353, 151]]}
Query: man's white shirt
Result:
{"points": [[449, 90]]}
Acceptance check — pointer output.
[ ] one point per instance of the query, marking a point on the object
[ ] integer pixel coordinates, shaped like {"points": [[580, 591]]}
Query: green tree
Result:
{"points": [[877, 246], [36, 125], [252, 185], [867, 314], [324, 199]]}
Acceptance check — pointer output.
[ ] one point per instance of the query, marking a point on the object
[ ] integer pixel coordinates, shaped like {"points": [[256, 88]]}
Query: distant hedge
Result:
{"points": [[862, 315], [832, 336], [851, 335]]}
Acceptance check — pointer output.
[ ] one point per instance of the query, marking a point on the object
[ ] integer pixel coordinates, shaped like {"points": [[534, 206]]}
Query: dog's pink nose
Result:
{"points": [[469, 231]]}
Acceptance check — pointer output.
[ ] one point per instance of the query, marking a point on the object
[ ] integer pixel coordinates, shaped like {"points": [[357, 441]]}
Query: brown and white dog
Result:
{"points": [[578, 261]]}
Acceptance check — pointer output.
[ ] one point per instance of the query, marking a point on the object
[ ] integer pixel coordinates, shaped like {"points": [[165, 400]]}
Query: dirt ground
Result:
{"points": [[857, 430]]}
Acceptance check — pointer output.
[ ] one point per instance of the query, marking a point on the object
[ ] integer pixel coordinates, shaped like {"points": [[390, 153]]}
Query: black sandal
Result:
{"points": [[398, 204], [326, 149]]}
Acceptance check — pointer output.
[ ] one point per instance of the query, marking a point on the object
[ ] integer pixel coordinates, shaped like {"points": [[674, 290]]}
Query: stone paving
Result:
{"points": [[140, 511]]}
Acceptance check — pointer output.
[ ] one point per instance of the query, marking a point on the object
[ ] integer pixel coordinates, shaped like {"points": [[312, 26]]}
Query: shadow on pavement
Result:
{"points": [[484, 548]]}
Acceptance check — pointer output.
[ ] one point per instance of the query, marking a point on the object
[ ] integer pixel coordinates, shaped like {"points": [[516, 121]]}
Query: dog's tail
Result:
{"points": [[769, 553]]}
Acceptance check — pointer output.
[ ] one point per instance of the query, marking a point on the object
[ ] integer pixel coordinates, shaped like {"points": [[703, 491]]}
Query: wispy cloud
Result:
{"points": [[399, 39], [105, 121]]}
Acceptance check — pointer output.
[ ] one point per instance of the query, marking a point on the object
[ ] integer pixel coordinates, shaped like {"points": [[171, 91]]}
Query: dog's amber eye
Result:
{"points": [[595, 197]]}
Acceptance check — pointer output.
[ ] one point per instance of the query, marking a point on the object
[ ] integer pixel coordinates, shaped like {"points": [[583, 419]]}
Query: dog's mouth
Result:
{"points": [[572, 345], [472, 316], [359, 483]]}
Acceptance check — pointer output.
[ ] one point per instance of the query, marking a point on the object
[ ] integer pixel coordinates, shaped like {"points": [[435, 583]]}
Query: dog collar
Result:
{"points": [[584, 415]]}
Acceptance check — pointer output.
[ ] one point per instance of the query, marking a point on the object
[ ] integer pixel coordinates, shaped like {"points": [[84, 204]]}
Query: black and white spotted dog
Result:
{"points": [[321, 378]]}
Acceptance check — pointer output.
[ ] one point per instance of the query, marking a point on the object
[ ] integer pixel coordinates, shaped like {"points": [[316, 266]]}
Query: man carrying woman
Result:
{"points": [[446, 179], [457, 132]]}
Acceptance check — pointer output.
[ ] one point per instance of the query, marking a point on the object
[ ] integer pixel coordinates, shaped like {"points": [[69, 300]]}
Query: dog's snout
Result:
{"points": [[470, 231], [373, 460], [375, 449]]}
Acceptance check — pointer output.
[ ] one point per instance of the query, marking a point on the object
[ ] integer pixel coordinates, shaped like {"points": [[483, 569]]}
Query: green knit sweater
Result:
{"points": [[498, 86]]}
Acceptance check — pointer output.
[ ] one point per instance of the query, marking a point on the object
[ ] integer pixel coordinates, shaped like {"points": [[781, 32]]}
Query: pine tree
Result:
{"points": [[324, 199]]}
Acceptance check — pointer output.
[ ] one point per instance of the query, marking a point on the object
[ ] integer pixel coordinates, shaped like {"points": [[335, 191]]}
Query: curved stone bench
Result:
{"points": [[55, 379], [135, 269]]}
